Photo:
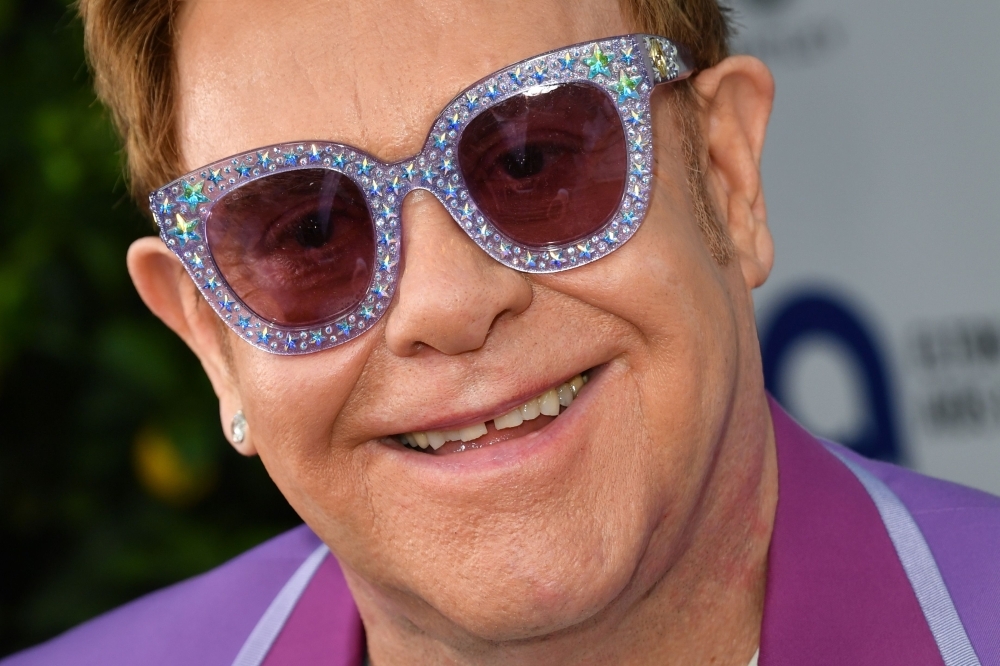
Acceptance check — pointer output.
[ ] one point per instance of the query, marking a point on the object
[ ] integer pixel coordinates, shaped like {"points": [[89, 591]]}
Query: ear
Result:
{"points": [[736, 96], [167, 290]]}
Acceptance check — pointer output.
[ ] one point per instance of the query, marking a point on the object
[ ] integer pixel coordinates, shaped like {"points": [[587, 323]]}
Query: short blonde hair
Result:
{"points": [[129, 44]]}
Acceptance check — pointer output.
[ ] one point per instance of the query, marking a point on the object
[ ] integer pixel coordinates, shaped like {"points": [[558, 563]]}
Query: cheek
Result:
{"points": [[292, 405]]}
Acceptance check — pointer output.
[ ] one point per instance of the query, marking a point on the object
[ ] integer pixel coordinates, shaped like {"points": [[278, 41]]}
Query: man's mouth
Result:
{"points": [[532, 415]]}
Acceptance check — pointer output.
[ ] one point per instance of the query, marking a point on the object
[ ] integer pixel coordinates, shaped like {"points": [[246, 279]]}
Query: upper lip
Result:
{"points": [[470, 418]]}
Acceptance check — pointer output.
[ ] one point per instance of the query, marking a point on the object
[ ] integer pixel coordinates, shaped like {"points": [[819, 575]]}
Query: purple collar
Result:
{"points": [[836, 591]]}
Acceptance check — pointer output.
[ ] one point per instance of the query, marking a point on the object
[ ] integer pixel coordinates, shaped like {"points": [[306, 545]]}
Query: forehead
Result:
{"points": [[373, 74]]}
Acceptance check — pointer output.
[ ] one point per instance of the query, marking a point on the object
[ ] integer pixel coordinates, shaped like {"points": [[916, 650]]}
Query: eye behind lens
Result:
{"points": [[547, 168], [298, 247]]}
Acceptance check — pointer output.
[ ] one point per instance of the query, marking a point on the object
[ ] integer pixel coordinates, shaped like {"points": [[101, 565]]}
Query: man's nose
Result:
{"points": [[451, 292]]}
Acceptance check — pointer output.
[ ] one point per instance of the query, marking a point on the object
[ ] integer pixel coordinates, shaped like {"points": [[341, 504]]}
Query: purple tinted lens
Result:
{"points": [[298, 246], [547, 167]]}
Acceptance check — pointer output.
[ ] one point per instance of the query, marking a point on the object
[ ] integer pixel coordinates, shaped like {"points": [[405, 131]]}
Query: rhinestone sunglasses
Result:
{"points": [[545, 165]]}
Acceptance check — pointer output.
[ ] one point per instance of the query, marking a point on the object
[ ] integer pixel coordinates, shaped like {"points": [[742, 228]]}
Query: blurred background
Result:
{"points": [[115, 478], [880, 326]]}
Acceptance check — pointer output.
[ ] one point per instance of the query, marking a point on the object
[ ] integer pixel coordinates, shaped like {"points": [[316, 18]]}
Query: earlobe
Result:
{"points": [[168, 292], [737, 95]]}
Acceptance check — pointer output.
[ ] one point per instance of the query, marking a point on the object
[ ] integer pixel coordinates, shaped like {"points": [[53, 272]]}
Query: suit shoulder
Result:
{"points": [[202, 620]]}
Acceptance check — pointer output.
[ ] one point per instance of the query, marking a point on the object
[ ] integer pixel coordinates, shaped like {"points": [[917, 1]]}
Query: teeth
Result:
{"points": [[472, 432], [435, 439], [547, 403], [565, 395], [509, 420], [529, 410]]}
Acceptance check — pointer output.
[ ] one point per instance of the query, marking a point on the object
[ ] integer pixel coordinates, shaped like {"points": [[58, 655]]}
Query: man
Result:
{"points": [[523, 439]]}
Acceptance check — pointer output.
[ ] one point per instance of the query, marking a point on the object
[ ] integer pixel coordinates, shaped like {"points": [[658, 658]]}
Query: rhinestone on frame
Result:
{"points": [[598, 63]]}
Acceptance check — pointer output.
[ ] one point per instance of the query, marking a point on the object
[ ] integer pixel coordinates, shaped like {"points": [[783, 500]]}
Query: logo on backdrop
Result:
{"points": [[813, 314]]}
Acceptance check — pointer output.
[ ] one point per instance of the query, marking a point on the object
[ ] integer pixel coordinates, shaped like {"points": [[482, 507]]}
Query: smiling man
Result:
{"points": [[474, 280]]}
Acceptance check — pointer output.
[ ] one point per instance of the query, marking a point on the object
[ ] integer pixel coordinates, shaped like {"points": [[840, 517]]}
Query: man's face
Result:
{"points": [[569, 516]]}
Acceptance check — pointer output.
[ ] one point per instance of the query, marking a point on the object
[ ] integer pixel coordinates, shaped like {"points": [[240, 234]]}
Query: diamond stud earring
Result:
{"points": [[238, 429]]}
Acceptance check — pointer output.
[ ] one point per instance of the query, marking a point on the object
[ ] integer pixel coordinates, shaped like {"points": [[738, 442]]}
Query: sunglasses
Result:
{"points": [[545, 165]]}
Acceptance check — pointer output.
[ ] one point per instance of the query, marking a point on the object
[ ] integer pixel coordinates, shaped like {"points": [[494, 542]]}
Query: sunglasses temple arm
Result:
{"points": [[668, 62]]}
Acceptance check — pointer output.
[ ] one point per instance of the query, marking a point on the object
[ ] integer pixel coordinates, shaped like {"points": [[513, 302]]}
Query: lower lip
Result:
{"points": [[512, 452]]}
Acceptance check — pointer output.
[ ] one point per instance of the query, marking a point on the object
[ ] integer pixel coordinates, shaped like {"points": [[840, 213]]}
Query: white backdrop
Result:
{"points": [[882, 174]]}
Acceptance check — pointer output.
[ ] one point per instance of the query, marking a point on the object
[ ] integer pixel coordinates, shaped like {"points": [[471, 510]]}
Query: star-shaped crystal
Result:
{"points": [[541, 71], [386, 236], [226, 304], [367, 313], [567, 61], [454, 122], [491, 91], [339, 160], [556, 258], [289, 342], [243, 322], [197, 261], [264, 159], [343, 327], [166, 206], [450, 192], [395, 186], [364, 167], [386, 263], [638, 143], [504, 249], [628, 218], [634, 117], [314, 156], [441, 140], [427, 175], [409, 171], [316, 337], [380, 291], [626, 87], [185, 230], [193, 194], [263, 336], [291, 159], [611, 237], [243, 170], [387, 210], [471, 100], [211, 284], [638, 170], [635, 192], [374, 189], [585, 250], [465, 212], [530, 260], [446, 166], [598, 62], [627, 55], [215, 175], [515, 76]]}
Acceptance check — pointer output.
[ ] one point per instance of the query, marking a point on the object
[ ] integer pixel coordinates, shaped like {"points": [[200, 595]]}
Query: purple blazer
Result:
{"points": [[870, 564]]}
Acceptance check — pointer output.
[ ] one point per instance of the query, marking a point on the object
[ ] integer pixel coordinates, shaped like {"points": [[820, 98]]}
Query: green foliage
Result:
{"points": [[115, 478]]}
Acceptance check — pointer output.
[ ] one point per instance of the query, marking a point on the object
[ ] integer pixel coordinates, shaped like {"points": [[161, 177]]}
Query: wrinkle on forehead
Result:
{"points": [[372, 74]]}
